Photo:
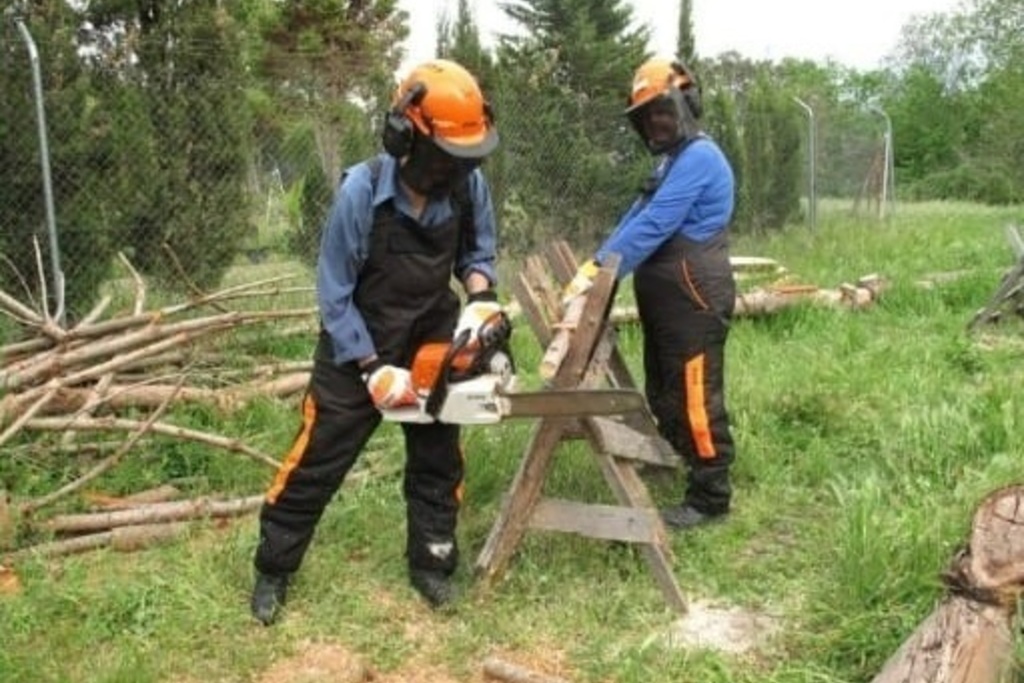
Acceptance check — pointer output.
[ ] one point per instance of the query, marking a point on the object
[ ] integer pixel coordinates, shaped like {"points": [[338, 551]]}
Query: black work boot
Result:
{"points": [[685, 516], [435, 587], [268, 596]]}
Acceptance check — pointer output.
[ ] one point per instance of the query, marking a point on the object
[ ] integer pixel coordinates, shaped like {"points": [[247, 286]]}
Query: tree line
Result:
{"points": [[167, 121]]}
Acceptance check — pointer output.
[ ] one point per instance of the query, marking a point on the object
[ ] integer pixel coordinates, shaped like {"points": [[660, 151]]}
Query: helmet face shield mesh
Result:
{"points": [[661, 121], [663, 104], [432, 171]]}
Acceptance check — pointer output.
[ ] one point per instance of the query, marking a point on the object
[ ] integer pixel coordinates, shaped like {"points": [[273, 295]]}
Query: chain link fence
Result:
{"points": [[187, 179]]}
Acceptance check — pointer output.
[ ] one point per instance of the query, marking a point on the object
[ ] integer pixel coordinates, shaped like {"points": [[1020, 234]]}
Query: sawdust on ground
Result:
{"points": [[732, 630]]}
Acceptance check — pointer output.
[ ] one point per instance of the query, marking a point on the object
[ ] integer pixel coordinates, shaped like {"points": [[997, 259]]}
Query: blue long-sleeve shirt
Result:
{"points": [[345, 243], [694, 200]]}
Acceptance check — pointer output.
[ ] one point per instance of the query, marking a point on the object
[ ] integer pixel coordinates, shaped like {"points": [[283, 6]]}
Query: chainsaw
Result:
{"points": [[473, 381]]}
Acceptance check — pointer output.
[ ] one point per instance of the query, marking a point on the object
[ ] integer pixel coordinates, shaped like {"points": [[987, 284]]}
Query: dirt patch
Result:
{"points": [[318, 662], [419, 675]]}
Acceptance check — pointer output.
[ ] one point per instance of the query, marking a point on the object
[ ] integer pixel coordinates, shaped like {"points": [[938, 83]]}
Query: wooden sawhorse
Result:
{"points": [[1010, 293], [582, 353]]}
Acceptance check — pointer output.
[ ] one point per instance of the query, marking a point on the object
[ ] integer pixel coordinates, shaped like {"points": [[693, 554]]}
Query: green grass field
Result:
{"points": [[865, 441]]}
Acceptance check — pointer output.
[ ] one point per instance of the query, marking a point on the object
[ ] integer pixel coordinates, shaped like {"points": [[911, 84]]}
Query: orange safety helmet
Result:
{"points": [[659, 77], [443, 102]]}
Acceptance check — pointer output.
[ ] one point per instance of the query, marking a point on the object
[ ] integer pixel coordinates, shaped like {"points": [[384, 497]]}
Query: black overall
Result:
{"points": [[685, 295], [404, 295]]}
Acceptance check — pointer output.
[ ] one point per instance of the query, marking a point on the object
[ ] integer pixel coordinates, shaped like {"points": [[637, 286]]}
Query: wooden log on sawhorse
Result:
{"points": [[591, 359]]}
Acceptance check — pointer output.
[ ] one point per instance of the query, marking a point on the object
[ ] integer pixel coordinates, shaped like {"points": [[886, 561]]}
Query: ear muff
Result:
{"points": [[398, 129], [692, 91]]}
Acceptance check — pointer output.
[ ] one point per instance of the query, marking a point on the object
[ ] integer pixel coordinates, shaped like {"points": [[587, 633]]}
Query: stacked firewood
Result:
{"points": [[121, 374]]}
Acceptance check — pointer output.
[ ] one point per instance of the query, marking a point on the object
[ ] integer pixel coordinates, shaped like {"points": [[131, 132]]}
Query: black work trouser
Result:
{"points": [[338, 418], [684, 380]]}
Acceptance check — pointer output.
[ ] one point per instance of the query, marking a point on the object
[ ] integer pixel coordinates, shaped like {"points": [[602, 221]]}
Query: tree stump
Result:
{"points": [[968, 638]]}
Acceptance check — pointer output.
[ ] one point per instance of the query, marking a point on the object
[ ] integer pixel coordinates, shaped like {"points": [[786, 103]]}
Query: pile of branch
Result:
{"points": [[102, 373]]}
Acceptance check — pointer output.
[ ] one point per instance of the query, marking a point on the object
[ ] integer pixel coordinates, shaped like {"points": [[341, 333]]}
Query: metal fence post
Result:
{"points": [[44, 160], [812, 200], [888, 167]]}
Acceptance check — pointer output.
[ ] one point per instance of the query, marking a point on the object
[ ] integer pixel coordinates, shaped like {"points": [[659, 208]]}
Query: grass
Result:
{"points": [[865, 441]]}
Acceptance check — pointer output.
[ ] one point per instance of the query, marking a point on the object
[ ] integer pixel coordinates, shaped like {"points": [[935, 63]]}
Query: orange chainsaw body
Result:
{"points": [[427, 363]]}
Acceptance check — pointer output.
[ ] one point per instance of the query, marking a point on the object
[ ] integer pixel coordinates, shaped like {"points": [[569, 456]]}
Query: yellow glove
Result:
{"points": [[391, 387], [581, 282], [481, 306]]}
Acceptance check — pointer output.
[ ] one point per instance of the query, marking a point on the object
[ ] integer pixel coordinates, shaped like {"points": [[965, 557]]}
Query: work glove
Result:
{"points": [[581, 282], [480, 307], [390, 387]]}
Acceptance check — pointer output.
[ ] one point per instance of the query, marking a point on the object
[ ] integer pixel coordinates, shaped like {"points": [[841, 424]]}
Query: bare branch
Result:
{"points": [[173, 511], [94, 314], [20, 278], [48, 393], [121, 424], [140, 285], [183, 274], [18, 311], [44, 304]]}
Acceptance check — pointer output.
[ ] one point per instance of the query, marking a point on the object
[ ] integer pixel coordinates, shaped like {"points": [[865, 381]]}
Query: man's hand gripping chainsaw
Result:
{"points": [[472, 382], [459, 381]]}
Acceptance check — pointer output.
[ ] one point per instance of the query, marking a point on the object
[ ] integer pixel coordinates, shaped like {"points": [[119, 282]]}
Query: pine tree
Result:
{"points": [[564, 82], [460, 41], [686, 43], [771, 141]]}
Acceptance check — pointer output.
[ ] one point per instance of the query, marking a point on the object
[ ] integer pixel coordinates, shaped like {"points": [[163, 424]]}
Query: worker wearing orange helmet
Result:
{"points": [[402, 224], [674, 240]]}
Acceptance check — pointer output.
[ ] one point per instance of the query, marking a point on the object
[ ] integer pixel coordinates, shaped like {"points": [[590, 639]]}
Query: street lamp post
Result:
{"points": [[812, 200]]}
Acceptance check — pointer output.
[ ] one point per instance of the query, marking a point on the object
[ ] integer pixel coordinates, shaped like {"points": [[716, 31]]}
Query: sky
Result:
{"points": [[856, 34]]}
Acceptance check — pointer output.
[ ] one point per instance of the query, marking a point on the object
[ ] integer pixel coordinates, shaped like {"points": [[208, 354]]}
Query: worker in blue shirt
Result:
{"points": [[402, 224], [674, 241], [346, 244]]}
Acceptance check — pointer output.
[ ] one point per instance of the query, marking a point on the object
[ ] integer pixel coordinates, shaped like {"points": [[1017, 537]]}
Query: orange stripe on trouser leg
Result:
{"points": [[696, 407], [460, 488], [291, 461]]}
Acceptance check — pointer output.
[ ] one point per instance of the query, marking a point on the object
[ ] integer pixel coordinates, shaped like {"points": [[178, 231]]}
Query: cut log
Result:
{"points": [[759, 301], [770, 299], [968, 638]]}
